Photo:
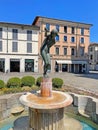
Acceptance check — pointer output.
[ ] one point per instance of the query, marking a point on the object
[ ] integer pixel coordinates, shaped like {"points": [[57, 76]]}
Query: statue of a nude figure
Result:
{"points": [[48, 42]]}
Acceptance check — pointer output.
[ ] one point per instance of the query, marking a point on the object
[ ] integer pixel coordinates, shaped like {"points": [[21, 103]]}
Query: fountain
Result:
{"points": [[46, 107]]}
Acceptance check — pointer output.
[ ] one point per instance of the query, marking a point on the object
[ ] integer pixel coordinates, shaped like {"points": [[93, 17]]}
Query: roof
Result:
{"points": [[93, 44], [59, 20], [7, 24]]}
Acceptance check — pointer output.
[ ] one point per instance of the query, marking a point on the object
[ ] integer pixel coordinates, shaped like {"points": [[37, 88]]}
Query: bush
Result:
{"points": [[14, 82], [26, 89], [57, 82], [2, 84], [11, 90], [27, 81], [38, 81]]}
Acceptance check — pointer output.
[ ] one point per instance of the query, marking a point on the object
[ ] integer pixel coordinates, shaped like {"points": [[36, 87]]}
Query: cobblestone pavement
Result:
{"points": [[82, 81]]}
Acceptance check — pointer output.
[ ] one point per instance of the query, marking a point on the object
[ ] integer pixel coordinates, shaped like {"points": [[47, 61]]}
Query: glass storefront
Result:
{"points": [[64, 67], [2, 65], [14, 65], [29, 65]]}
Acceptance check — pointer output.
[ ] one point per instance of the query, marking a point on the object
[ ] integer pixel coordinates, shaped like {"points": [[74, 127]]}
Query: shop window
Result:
{"points": [[29, 65]]}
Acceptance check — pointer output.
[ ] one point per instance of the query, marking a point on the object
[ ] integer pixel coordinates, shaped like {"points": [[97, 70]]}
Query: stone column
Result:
{"points": [[46, 119], [46, 87]]}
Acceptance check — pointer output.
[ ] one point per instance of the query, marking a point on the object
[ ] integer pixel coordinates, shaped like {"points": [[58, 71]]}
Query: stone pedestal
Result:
{"points": [[46, 87], [46, 119]]}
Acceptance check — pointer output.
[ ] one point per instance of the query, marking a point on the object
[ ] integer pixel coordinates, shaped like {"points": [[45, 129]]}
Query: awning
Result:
{"points": [[71, 62]]}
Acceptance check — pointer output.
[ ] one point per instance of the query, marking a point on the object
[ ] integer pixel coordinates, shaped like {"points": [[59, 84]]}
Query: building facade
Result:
{"points": [[93, 56], [18, 47], [70, 53]]}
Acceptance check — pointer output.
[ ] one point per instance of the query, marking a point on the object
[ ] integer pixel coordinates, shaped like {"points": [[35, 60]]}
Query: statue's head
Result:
{"points": [[54, 32]]}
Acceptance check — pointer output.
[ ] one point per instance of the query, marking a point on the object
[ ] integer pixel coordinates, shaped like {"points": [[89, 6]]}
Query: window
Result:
{"points": [[82, 40], [65, 38], [0, 45], [29, 35], [81, 51], [48, 26], [15, 34], [72, 30], [72, 39], [0, 32], [91, 48], [14, 46], [82, 31], [57, 51], [65, 29], [72, 51], [65, 51], [91, 57], [57, 38], [57, 28], [29, 47]]}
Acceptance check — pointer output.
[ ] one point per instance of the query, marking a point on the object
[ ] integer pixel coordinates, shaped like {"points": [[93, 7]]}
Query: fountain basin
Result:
{"points": [[46, 113], [57, 100]]}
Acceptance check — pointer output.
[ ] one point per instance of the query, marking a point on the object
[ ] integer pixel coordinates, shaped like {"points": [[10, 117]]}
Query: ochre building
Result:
{"points": [[70, 53]]}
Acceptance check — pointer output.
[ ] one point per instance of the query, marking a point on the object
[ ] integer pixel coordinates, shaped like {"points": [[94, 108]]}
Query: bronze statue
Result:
{"points": [[48, 42]]}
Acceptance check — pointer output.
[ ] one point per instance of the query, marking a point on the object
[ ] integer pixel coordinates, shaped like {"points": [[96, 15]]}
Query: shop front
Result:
{"points": [[14, 65], [70, 66], [2, 65], [29, 65]]}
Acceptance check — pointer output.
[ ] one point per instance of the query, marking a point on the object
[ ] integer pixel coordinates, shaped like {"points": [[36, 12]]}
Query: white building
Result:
{"points": [[18, 47], [93, 56]]}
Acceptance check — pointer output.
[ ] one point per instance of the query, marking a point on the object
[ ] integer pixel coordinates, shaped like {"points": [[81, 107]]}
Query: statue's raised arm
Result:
{"points": [[48, 42]]}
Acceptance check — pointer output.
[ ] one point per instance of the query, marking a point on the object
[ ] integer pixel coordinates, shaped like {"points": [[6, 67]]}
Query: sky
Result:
{"points": [[24, 12]]}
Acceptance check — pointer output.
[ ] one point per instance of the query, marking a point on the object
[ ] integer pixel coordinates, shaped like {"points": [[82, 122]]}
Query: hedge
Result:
{"points": [[14, 82], [28, 81], [57, 82], [2, 84]]}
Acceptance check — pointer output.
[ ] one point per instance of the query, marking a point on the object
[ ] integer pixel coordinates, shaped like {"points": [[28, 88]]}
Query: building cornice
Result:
{"points": [[16, 25], [93, 44], [60, 22]]}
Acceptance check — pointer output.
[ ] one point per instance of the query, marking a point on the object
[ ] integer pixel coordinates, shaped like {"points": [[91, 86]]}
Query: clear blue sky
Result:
{"points": [[24, 11]]}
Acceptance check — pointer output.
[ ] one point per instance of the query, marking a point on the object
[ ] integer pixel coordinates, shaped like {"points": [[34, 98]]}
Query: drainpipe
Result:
{"points": [[7, 39], [76, 42]]}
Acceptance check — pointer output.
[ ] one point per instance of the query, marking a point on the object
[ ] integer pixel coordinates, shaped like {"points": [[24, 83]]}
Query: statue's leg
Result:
{"points": [[49, 61], [44, 56]]}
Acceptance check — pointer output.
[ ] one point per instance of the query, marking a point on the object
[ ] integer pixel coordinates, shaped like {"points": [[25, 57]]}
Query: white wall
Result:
{"points": [[22, 48]]}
